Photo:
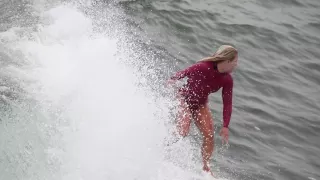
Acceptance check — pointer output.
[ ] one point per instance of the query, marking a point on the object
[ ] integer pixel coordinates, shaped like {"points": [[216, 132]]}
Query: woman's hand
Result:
{"points": [[170, 83], [224, 133]]}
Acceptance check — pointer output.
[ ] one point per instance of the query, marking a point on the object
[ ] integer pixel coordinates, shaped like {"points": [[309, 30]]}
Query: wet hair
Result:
{"points": [[224, 53]]}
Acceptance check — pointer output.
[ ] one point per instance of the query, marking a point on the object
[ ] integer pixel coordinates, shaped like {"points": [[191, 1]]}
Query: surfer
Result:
{"points": [[203, 78]]}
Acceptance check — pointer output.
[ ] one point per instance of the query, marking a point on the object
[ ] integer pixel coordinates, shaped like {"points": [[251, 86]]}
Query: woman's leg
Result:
{"points": [[184, 118], [204, 122]]}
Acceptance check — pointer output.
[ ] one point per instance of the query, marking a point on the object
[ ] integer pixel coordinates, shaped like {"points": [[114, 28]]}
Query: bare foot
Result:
{"points": [[207, 169]]}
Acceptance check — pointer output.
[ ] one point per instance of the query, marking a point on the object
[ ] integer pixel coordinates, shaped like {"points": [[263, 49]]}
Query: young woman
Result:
{"points": [[205, 77]]}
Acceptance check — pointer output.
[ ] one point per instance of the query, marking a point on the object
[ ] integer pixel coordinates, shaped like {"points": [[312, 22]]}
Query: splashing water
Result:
{"points": [[83, 115]]}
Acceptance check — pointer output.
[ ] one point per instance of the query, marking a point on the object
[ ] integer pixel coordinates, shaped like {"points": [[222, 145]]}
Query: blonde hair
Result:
{"points": [[224, 53]]}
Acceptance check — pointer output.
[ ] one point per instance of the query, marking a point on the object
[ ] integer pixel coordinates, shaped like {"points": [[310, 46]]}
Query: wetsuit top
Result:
{"points": [[203, 79]]}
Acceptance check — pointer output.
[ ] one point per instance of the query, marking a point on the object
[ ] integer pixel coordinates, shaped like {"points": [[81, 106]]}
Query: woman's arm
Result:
{"points": [[190, 71], [227, 101]]}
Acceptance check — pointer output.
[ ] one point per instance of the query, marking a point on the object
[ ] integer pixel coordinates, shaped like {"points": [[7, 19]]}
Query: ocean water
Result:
{"points": [[82, 94]]}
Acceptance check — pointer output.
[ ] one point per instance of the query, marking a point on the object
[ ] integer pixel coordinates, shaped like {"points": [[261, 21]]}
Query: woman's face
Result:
{"points": [[229, 66]]}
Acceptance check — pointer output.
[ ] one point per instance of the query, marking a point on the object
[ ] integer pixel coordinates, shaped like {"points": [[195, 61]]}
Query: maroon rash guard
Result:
{"points": [[203, 79]]}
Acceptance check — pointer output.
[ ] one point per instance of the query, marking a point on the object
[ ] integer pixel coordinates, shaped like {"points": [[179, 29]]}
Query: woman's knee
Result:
{"points": [[208, 136]]}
